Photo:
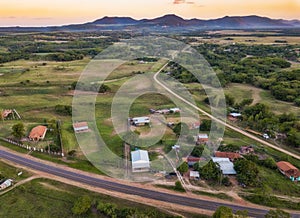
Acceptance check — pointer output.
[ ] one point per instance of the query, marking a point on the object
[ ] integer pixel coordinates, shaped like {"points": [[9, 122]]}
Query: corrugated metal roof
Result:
{"points": [[225, 165], [140, 159]]}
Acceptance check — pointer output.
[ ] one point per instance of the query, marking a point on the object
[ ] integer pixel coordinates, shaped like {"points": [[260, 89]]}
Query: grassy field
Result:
{"points": [[46, 198], [242, 91], [10, 172], [266, 40]]}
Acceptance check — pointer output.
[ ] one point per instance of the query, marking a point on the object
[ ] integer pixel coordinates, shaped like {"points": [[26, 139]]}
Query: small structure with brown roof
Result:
{"points": [[80, 127], [246, 150], [289, 170], [231, 155], [38, 133]]}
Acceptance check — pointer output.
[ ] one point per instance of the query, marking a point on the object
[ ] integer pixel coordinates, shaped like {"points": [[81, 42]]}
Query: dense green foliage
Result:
{"points": [[277, 214], [183, 168], [18, 130], [247, 172], [82, 205], [259, 65], [223, 212], [210, 171]]}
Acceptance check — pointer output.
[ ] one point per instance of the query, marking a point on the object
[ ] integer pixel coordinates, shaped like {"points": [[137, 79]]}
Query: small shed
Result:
{"points": [[80, 126], [194, 175], [202, 138]]}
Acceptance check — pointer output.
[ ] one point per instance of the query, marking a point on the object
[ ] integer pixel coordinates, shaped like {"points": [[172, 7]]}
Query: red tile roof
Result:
{"points": [[285, 166], [38, 132], [230, 155], [80, 124]]}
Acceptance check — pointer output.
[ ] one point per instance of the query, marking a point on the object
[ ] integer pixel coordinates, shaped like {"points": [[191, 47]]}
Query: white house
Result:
{"points": [[225, 164], [140, 161]]}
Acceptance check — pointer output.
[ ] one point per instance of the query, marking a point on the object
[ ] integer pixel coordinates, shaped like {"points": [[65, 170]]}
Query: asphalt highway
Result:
{"points": [[127, 189]]}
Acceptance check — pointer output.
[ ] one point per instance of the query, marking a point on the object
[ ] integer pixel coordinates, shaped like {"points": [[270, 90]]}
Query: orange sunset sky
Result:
{"points": [[58, 12]]}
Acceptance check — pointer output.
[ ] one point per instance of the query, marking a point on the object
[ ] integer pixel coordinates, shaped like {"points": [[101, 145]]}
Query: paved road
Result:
{"points": [[127, 189], [221, 121]]}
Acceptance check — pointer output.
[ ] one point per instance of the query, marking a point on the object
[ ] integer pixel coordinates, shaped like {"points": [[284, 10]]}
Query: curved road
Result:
{"points": [[221, 121], [81, 177]]}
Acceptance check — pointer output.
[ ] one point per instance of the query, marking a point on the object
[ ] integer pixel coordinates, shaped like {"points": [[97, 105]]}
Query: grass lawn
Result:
{"points": [[45, 198]]}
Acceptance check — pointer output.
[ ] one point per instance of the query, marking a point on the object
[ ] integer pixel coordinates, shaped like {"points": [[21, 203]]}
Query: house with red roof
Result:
{"points": [[38, 133], [289, 170]]}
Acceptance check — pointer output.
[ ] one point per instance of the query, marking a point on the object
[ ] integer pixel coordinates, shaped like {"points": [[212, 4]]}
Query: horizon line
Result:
{"points": [[138, 19]]}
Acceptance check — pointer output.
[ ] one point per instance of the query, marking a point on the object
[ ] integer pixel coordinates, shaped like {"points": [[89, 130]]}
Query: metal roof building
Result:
{"points": [[140, 161], [225, 164]]}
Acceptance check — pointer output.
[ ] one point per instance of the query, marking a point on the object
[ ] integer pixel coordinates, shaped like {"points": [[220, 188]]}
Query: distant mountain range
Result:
{"points": [[168, 23]]}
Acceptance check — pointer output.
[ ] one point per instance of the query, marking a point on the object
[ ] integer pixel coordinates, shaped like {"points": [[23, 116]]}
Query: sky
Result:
{"points": [[59, 12]]}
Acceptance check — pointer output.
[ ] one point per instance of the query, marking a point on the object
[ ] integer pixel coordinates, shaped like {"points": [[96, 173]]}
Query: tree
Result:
{"points": [[229, 148], [181, 129], [223, 212], [18, 130], [242, 213], [178, 186], [277, 214], [82, 205], [183, 168], [210, 171], [247, 172], [205, 125], [197, 151], [107, 209]]}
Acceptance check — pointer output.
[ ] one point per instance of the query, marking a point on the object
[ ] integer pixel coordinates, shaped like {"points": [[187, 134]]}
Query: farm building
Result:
{"points": [[80, 127], [289, 170], [7, 183], [140, 121], [225, 164], [38, 133], [231, 155], [140, 161], [202, 138]]}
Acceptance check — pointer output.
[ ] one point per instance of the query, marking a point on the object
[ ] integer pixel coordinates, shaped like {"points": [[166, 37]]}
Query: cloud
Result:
{"points": [[10, 17], [42, 18], [176, 2]]}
